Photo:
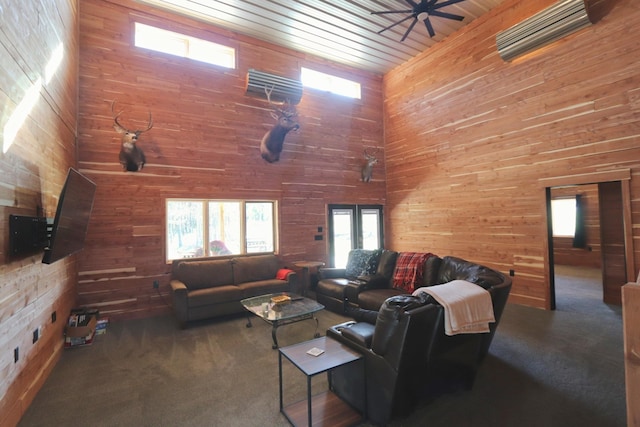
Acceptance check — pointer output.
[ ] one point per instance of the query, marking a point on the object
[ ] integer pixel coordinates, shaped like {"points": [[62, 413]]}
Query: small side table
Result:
{"points": [[305, 266], [328, 407]]}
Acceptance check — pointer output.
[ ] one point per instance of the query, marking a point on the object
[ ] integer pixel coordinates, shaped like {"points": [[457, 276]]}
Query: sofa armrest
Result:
{"points": [[180, 306], [357, 335], [294, 282], [331, 273], [352, 289]]}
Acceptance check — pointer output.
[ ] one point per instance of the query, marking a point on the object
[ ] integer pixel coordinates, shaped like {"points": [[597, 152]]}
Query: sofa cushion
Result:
{"points": [[362, 262], [210, 296], [373, 299], [255, 268], [409, 271], [387, 263], [334, 288], [204, 274], [431, 271], [453, 268], [262, 287]]}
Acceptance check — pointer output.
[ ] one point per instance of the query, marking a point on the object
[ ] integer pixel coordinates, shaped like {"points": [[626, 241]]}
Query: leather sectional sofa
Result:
{"points": [[370, 278], [209, 287]]}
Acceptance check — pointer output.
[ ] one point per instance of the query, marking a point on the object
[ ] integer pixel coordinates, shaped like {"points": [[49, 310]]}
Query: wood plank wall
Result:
{"points": [[33, 167], [204, 144], [468, 137]]}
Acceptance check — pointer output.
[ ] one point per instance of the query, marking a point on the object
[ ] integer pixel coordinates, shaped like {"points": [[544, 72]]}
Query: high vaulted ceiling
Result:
{"points": [[344, 31]]}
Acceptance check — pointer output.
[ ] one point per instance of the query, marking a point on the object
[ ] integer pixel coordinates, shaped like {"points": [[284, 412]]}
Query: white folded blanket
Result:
{"points": [[467, 306]]}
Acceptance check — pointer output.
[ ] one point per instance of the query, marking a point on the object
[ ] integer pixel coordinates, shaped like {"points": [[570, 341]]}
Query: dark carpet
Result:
{"points": [[545, 368]]}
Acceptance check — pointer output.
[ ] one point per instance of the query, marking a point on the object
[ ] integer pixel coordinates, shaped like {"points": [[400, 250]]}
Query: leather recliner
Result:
{"points": [[395, 346], [408, 356]]}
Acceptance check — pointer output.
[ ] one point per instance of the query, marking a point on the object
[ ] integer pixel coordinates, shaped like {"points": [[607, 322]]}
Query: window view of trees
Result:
{"points": [[259, 225], [234, 227]]}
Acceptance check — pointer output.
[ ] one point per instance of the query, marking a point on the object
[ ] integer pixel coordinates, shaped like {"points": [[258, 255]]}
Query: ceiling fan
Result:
{"points": [[423, 11]]}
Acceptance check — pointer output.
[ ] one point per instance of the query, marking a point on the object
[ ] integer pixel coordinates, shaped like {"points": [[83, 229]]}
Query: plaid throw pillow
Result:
{"points": [[408, 274]]}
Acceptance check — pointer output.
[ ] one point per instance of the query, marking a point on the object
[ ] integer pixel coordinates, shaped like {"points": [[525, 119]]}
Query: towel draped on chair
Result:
{"points": [[467, 306]]}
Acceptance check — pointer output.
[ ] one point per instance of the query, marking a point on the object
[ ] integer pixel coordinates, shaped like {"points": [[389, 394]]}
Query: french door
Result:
{"points": [[352, 227]]}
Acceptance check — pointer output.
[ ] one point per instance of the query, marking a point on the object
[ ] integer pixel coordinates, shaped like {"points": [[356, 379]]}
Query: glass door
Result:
{"points": [[351, 227]]}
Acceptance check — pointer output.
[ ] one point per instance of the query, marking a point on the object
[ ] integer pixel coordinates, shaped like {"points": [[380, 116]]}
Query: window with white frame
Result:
{"points": [[327, 82], [198, 228], [563, 217], [177, 44]]}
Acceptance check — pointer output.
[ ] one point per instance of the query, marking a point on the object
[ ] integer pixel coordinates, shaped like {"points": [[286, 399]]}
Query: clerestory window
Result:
{"points": [[330, 83], [177, 44]]}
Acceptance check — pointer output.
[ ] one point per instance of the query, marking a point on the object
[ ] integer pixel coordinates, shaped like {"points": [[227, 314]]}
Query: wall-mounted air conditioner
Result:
{"points": [[547, 26], [282, 88]]}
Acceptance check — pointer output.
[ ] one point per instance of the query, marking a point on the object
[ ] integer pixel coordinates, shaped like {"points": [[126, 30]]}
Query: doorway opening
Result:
{"points": [[608, 237]]}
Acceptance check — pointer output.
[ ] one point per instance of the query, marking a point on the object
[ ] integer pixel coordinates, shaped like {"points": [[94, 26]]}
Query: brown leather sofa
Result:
{"points": [[209, 287], [408, 356]]}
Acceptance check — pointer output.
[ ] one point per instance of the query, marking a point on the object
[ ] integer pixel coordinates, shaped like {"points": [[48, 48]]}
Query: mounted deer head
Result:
{"points": [[271, 145], [367, 167], [131, 156]]}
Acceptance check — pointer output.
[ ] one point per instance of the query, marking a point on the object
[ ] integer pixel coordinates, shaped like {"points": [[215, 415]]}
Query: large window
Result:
{"points": [[229, 227], [351, 227]]}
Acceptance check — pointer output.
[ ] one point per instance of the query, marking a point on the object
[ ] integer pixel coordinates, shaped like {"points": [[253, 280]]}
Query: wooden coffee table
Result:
{"points": [[297, 309]]}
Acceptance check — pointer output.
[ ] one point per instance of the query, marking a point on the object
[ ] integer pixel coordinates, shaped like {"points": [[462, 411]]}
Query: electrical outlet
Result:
{"points": [[36, 335], [54, 317], [512, 273], [16, 354], [156, 284]]}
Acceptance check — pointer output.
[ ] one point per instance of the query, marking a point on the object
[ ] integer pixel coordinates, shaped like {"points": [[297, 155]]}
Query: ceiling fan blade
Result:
{"points": [[427, 23], [391, 11], [393, 25], [415, 19], [446, 3], [447, 15]]}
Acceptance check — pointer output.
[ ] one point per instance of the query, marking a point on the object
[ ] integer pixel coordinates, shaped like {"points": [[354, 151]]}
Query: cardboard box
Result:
{"points": [[80, 335]]}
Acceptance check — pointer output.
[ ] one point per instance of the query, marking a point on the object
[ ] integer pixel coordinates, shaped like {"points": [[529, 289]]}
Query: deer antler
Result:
{"points": [[370, 156], [115, 119], [285, 109], [149, 126]]}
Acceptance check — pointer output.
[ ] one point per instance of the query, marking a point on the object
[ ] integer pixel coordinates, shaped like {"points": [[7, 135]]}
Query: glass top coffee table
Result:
{"points": [[294, 308]]}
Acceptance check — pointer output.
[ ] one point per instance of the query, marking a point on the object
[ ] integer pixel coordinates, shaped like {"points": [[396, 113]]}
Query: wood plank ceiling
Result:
{"points": [[344, 31]]}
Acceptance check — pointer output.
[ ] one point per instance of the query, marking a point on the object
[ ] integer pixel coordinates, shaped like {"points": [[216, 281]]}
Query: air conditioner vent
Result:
{"points": [[283, 88], [547, 26]]}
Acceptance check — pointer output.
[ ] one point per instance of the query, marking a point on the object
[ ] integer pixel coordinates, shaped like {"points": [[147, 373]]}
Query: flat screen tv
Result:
{"points": [[72, 217]]}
